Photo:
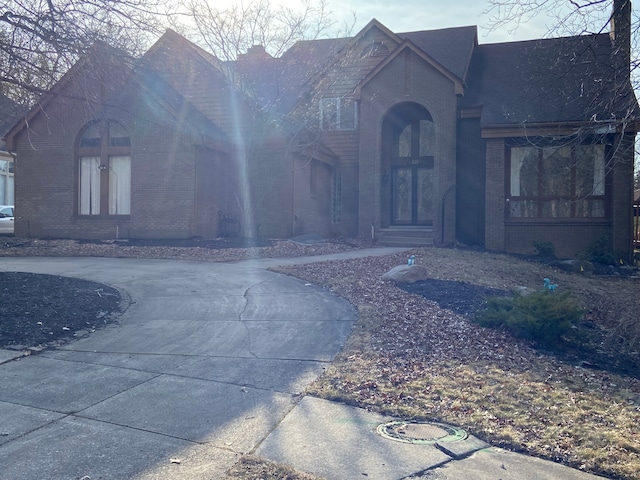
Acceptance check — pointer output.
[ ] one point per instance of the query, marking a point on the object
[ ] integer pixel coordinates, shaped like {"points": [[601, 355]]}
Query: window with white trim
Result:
{"points": [[6, 182], [104, 170], [339, 113]]}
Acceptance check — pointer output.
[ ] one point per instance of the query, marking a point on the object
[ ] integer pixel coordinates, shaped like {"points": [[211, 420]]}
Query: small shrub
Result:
{"points": [[600, 252], [545, 249], [543, 317]]}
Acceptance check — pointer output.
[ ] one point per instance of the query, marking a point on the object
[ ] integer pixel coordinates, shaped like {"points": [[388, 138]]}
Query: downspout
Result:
{"points": [[293, 197], [444, 200]]}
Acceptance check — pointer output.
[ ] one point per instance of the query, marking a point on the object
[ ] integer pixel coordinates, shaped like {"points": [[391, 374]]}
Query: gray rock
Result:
{"points": [[577, 266], [406, 274]]}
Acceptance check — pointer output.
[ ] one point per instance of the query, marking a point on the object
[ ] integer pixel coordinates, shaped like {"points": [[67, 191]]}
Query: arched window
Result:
{"points": [[104, 170]]}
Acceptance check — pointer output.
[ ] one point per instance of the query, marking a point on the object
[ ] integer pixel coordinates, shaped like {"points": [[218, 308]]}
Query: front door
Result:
{"points": [[412, 195]]}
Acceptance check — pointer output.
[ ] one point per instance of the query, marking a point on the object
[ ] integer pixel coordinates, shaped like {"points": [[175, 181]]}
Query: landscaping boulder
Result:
{"points": [[576, 266], [406, 274]]}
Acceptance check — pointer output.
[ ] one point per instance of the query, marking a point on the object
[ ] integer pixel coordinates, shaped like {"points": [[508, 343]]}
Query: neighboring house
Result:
{"points": [[413, 137], [10, 111]]}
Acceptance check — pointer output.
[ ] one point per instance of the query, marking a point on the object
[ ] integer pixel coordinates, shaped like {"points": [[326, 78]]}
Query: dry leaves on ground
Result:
{"points": [[411, 357]]}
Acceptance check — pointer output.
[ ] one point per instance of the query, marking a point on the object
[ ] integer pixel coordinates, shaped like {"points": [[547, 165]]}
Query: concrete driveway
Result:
{"points": [[205, 362]]}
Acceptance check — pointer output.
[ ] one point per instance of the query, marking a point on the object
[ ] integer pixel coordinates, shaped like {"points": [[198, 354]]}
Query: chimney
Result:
{"points": [[621, 37], [256, 52]]}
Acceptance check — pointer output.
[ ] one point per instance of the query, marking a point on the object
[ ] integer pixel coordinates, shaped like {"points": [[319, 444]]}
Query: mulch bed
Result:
{"points": [[48, 309], [459, 297]]}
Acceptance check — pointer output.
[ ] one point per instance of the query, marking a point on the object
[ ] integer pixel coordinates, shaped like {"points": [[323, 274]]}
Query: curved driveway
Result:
{"points": [[205, 362]]}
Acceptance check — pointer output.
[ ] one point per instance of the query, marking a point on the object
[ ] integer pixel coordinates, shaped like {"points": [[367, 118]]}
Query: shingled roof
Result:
{"points": [[451, 47], [10, 112], [542, 81], [559, 80], [279, 83]]}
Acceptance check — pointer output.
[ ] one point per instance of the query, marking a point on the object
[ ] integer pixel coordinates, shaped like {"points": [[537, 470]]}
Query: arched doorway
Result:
{"points": [[408, 149]]}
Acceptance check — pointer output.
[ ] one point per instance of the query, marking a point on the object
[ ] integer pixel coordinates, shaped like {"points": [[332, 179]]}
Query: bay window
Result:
{"points": [[104, 170], [550, 181]]}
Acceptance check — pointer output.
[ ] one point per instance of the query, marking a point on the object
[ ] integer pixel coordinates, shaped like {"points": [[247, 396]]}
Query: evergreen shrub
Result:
{"points": [[543, 317]]}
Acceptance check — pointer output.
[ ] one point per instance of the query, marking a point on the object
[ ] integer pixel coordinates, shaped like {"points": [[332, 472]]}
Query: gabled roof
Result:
{"points": [[101, 55], [171, 108], [404, 46], [281, 83], [162, 98], [546, 81], [375, 24], [450, 47], [171, 39]]}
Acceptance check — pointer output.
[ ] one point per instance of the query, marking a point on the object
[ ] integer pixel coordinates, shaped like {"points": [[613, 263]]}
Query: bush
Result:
{"points": [[542, 317], [600, 252], [545, 249]]}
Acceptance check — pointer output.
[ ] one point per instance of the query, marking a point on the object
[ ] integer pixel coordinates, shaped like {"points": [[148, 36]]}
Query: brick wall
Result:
{"points": [[622, 190], [270, 191], [163, 166], [407, 78], [312, 197], [494, 195], [568, 239]]}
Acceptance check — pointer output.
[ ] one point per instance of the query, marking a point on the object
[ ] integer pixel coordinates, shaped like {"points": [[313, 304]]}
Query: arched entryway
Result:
{"points": [[408, 149]]}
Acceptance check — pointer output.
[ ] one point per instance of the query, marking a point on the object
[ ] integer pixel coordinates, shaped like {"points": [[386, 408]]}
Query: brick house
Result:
{"points": [[419, 137]]}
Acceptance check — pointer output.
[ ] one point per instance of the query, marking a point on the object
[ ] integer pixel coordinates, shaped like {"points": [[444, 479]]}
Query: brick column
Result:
{"points": [[495, 188], [622, 195]]}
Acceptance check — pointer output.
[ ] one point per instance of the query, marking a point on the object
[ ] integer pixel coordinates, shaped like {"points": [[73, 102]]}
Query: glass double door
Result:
{"points": [[412, 195]]}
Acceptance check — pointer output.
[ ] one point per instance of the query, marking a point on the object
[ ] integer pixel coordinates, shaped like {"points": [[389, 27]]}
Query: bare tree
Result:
{"points": [[582, 17], [41, 39], [231, 31], [574, 17]]}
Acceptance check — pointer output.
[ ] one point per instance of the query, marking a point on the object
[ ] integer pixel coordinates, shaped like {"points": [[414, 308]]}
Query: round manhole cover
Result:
{"points": [[421, 433]]}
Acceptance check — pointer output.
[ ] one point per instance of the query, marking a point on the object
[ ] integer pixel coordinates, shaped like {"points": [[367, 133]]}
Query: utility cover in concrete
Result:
{"points": [[336, 441]]}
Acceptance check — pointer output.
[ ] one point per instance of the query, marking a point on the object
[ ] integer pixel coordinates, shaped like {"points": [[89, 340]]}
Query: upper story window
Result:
{"points": [[104, 170], [375, 49], [557, 181], [339, 113]]}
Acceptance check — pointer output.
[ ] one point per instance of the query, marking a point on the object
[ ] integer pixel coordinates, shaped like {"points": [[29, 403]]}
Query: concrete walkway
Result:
{"points": [[208, 363]]}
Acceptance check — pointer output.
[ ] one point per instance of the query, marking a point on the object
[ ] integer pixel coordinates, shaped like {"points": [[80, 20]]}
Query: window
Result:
{"points": [[557, 181], [338, 114], [6, 182], [416, 139], [104, 170], [375, 49]]}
